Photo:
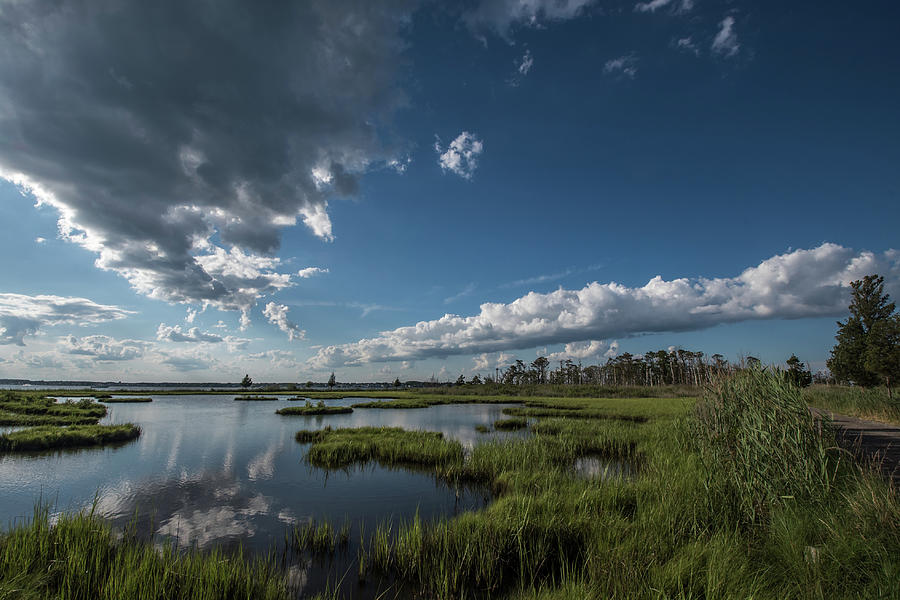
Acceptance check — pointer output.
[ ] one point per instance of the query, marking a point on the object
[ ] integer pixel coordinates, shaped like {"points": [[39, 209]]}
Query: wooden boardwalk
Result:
{"points": [[877, 441]]}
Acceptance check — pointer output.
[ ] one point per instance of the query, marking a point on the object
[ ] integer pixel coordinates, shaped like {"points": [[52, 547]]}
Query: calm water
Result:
{"points": [[209, 470]]}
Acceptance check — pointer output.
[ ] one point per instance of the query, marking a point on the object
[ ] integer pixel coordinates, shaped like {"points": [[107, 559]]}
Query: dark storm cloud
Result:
{"points": [[153, 126]]}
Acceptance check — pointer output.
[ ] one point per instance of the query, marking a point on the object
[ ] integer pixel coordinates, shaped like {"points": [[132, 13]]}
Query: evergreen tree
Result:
{"points": [[797, 372], [331, 380], [869, 307], [461, 380], [882, 355], [397, 382], [246, 381]]}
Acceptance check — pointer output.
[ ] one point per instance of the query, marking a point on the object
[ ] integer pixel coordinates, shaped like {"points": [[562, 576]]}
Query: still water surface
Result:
{"points": [[209, 470]]}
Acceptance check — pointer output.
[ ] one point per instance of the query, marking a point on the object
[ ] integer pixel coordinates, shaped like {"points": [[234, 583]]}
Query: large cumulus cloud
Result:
{"points": [[177, 139], [798, 284]]}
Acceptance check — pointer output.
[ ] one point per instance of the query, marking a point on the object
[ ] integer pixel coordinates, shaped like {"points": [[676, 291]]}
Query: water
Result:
{"points": [[208, 470]]}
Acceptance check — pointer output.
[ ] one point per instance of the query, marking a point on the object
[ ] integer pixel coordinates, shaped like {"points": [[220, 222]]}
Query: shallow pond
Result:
{"points": [[210, 470]]}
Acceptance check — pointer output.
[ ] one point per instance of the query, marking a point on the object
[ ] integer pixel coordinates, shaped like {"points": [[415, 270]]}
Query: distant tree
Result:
{"points": [[540, 365], [868, 307], [476, 380], [309, 384], [397, 382], [882, 355], [461, 380], [797, 373], [331, 380], [246, 381]]}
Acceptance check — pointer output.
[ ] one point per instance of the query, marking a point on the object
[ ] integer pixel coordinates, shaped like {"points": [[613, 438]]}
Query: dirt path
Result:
{"points": [[879, 441]]}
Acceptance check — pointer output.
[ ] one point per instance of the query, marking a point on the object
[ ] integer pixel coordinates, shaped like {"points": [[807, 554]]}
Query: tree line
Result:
{"points": [[656, 368]]}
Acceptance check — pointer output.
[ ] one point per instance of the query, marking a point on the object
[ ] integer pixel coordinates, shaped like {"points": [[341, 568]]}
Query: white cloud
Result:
{"points": [[798, 284], [39, 240], [588, 351], [461, 156], [687, 44], [277, 314], [154, 163], [526, 63], [466, 291], [310, 272], [654, 5], [22, 315], [281, 359], [236, 344], [623, 65], [502, 15], [186, 360], [105, 348], [165, 333], [726, 40]]}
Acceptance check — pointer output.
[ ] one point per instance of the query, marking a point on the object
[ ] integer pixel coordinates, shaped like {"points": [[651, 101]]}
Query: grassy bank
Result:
{"points": [[743, 495], [864, 403], [49, 437], [256, 398], [314, 410], [23, 409], [79, 557]]}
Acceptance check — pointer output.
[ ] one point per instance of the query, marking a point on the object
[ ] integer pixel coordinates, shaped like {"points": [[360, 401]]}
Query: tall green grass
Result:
{"points": [[744, 496], [864, 403], [80, 558]]}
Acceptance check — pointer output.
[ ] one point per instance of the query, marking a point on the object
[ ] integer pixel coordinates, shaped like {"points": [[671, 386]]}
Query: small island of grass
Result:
{"points": [[314, 410], [125, 399], [403, 403], [510, 424], [48, 437], [256, 398]]}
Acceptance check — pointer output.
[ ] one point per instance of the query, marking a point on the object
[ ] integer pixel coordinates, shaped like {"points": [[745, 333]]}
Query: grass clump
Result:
{"points": [[255, 398], [79, 557], [864, 403], [482, 429], [339, 448], [310, 410], [762, 445], [393, 404], [50, 437], [318, 537], [510, 424]]}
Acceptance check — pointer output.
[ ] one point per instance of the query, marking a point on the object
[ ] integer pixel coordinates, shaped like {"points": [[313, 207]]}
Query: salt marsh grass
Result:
{"points": [[49, 437]]}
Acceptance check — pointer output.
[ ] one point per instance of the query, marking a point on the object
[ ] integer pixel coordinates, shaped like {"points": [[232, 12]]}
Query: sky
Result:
{"points": [[399, 189]]}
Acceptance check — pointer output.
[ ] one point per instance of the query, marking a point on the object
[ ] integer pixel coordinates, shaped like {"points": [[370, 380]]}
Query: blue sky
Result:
{"points": [[312, 187]]}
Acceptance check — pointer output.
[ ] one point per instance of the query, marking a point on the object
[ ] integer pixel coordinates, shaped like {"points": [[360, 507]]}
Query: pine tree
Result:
{"points": [[869, 307], [331, 380], [246, 381], [797, 372]]}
